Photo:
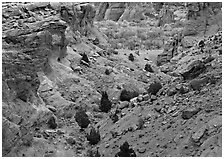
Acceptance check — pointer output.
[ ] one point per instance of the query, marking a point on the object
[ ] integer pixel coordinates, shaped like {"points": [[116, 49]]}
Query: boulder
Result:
{"points": [[182, 89], [196, 84], [128, 92], [154, 88], [171, 91], [193, 69], [189, 113], [189, 41]]}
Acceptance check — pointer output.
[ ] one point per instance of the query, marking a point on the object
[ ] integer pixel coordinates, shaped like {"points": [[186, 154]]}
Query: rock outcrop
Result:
{"points": [[33, 48], [203, 18], [114, 11]]}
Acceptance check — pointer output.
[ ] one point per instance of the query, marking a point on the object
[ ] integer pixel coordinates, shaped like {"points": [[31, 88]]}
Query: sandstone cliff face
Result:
{"points": [[31, 53], [203, 18], [115, 11], [123, 11], [100, 14]]}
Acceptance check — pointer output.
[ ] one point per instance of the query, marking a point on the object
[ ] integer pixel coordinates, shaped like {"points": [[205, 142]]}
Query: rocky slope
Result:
{"points": [[67, 92]]}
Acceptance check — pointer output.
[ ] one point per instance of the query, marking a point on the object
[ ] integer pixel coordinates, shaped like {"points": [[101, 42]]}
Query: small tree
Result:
{"points": [[105, 104], [131, 57], [94, 136], [82, 118], [52, 123]]}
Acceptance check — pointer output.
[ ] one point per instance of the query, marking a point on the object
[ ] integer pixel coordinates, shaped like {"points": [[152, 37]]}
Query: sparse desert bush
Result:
{"points": [[111, 23], [158, 43], [132, 35], [173, 32], [148, 44], [133, 43], [179, 24], [127, 32], [155, 33]]}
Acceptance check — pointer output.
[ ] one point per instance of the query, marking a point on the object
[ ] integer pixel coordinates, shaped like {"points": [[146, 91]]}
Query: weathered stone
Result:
{"points": [[78, 20], [154, 88], [114, 117], [129, 91], [51, 108], [214, 124], [196, 84], [189, 113], [182, 89], [141, 150], [93, 152], [171, 91], [115, 11], [10, 134], [140, 123], [146, 97], [199, 134], [100, 14], [123, 104], [188, 41], [140, 98], [200, 20], [193, 69]]}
